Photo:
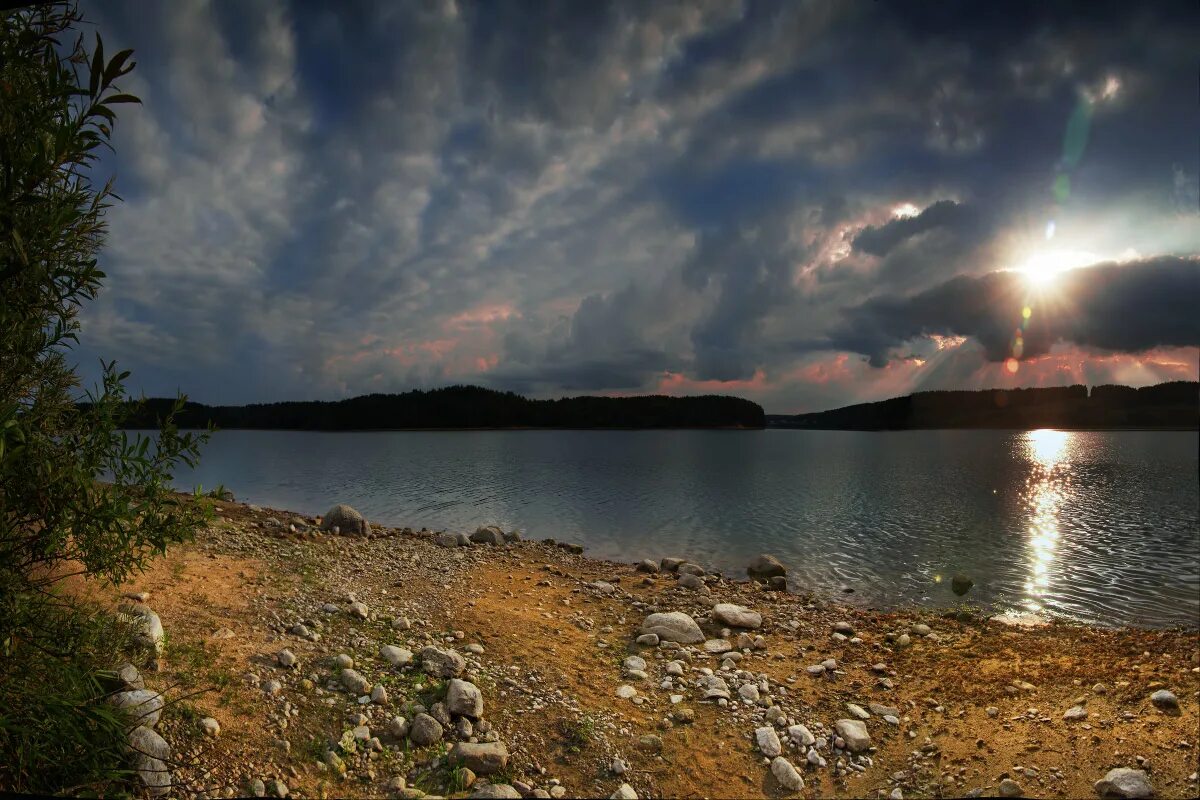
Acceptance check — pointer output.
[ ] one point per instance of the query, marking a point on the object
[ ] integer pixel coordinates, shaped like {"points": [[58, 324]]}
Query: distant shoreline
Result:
{"points": [[734, 428], [1067, 428]]}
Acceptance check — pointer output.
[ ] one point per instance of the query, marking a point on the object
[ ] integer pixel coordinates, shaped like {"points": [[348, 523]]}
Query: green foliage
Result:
{"points": [[55, 734], [77, 495], [578, 734]]}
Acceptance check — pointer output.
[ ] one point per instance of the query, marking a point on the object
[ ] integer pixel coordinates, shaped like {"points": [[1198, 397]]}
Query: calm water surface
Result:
{"points": [[1102, 527]]}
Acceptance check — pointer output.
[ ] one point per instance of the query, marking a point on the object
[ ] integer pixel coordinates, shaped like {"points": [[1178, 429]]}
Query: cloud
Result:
{"points": [[328, 200], [1128, 307], [881, 240]]}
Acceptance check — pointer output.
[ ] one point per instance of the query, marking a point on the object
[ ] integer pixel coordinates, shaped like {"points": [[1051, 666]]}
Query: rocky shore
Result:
{"points": [[328, 657]]}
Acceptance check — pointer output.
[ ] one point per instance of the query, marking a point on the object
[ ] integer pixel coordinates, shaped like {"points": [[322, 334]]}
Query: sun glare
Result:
{"points": [[1043, 267]]}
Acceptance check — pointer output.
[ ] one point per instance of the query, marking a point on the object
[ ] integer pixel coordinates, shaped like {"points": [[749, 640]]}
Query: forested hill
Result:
{"points": [[1172, 405], [465, 407]]}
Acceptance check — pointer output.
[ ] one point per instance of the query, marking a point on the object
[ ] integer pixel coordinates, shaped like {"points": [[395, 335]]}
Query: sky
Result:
{"points": [[808, 204]]}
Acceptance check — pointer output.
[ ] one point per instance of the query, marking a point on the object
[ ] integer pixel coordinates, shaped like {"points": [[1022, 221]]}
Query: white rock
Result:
{"points": [[354, 682], [210, 727], [768, 741], [1010, 788], [801, 735], [1124, 783], [396, 656], [143, 706], [673, 626], [151, 753], [146, 742], [464, 699], [736, 616], [1075, 714], [854, 733], [786, 774], [446, 663], [624, 792]]}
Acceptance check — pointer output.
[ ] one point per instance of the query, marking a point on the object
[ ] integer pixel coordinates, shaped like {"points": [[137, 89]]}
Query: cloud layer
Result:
{"points": [[808, 204]]}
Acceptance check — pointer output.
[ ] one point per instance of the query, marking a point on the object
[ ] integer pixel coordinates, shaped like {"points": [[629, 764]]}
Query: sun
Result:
{"points": [[1043, 267]]}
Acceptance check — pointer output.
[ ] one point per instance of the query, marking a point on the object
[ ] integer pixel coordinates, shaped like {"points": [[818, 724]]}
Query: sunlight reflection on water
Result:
{"points": [[1047, 487]]}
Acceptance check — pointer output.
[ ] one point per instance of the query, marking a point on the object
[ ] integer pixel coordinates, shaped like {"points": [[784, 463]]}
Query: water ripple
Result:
{"points": [[1098, 527]]}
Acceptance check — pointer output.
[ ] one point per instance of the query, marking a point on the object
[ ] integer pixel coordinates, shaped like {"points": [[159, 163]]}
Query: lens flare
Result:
{"points": [[1041, 268]]}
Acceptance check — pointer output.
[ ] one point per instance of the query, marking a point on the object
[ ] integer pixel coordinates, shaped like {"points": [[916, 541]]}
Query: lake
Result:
{"points": [[1099, 527]]}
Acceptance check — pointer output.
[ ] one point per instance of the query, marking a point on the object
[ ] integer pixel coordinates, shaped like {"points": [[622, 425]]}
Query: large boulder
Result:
{"points": [[154, 774], [673, 626], [960, 584], [464, 699], [150, 753], [496, 790], [348, 521], [148, 628], [765, 567], [736, 616], [489, 534], [123, 678], [446, 663], [142, 706], [483, 758], [144, 741], [1124, 783]]}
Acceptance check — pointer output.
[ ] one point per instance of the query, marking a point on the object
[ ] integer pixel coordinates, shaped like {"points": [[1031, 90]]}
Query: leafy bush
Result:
{"points": [[77, 496]]}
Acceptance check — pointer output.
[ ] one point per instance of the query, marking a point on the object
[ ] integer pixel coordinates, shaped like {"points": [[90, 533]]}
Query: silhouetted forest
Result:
{"points": [[1167, 405], [465, 407]]}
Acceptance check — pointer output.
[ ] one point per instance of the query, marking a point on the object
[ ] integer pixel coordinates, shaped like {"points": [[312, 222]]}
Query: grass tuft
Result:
{"points": [[57, 733]]}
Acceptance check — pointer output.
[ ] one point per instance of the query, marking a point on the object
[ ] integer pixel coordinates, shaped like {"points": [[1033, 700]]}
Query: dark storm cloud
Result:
{"points": [[1128, 307], [879, 241], [328, 199]]}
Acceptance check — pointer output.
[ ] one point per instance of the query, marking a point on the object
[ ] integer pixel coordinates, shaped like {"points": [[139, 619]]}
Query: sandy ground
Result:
{"points": [[553, 642]]}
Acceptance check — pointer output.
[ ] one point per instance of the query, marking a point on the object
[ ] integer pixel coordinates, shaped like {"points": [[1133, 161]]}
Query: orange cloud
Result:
{"points": [[678, 383]]}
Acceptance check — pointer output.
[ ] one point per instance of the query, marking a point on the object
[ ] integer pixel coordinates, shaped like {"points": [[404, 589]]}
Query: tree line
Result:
{"points": [[1167, 405], [461, 407]]}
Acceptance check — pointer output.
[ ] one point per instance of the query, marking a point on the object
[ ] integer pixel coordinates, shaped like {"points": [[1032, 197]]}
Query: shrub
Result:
{"points": [[77, 496]]}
